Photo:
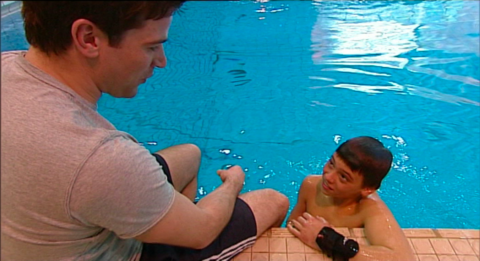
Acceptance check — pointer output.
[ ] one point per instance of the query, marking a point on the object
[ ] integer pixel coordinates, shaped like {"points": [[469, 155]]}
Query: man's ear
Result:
{"points": [[367, 191], [86, 37]]}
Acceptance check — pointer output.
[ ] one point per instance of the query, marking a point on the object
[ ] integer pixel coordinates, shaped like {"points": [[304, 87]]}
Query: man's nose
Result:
{"points": [[160, 59]]}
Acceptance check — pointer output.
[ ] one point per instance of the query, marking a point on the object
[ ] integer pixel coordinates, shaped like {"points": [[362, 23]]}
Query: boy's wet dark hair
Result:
{"points": [[369, 157], [48, 23]]}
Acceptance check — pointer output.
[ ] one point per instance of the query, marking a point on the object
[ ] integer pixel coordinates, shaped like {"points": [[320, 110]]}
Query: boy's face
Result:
{"points": [[340, 181]]}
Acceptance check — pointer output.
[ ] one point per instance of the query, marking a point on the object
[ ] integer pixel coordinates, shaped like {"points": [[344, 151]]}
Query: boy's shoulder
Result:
{"points": [[312, 179], [372, 204]]}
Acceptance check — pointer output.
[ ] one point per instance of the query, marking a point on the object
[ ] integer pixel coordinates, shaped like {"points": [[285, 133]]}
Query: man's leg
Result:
{"points": [[183, 162], [268, 206]]}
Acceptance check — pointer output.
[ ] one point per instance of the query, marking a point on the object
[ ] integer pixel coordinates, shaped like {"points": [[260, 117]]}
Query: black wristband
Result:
{"points": [[333, 243]]}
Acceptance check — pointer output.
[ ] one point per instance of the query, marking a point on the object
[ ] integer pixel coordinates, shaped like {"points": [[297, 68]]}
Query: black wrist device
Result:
{"points": [[334, 244]]}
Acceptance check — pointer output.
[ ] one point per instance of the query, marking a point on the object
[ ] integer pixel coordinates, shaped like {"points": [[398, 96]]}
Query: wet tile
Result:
{"points": [[427, 258], [243, 257], [261, 245], [278, 245], [451, 233], [296, 257], [462, 246], [267, 233], [442, 246], [311, 250], [281, 232], [472, 233], [278, 257], [315, 257], [294, 245], [422, 246], [419, 233], [468, 258], [260, 256], [411, 244], [475, 244], [447, 258]]}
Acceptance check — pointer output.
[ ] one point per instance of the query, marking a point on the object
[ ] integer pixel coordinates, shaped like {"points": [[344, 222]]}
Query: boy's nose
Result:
{"points": [[328, 176]]}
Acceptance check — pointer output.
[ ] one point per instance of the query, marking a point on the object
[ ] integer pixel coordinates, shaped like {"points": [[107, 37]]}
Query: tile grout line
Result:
{"points": [[437, 234]]}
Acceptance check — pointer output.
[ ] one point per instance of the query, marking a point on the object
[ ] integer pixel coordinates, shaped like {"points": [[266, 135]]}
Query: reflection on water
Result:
{"points": [[423, 37]]}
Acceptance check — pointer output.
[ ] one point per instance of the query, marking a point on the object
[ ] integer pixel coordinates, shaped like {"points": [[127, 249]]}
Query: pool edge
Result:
{"points": [[278, 244]]}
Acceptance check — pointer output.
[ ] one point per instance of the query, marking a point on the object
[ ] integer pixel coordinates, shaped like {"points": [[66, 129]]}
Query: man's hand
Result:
{"points": [[306, 228], [233, 175]]}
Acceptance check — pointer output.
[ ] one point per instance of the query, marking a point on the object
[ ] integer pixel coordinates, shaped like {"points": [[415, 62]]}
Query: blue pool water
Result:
{"points": [[276, 86]]}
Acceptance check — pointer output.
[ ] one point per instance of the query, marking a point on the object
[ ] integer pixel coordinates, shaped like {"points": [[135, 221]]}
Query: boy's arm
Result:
{"points": [[386, 238], [301, 205]]}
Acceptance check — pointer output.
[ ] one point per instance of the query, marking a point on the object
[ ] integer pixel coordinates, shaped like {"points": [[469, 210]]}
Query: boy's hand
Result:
{"points": [[306, 227]]}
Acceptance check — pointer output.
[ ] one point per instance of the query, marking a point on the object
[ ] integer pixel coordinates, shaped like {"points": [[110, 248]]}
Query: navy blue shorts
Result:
{"points": [[239, 234]]}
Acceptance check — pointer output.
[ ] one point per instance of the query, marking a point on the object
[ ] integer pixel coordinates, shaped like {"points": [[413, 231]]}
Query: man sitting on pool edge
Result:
{"points": [[345, 196]]}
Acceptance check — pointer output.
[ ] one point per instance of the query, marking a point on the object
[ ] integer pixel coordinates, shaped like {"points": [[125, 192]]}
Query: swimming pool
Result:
{"points": [[276, 86]]}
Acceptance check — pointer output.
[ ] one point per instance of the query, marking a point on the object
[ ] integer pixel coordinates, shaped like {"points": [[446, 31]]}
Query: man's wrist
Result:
{"points": [[334, 244]]}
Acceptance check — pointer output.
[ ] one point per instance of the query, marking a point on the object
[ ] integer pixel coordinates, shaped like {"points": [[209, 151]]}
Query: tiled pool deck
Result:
{"points": [[278, 244]]}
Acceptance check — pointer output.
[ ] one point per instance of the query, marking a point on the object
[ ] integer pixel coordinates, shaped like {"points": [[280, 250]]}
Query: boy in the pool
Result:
{"points": [[345, 196]]}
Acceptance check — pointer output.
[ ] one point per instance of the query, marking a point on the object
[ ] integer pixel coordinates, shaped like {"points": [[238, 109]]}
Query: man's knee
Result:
{"points": [[195, 150], [268, 203], [278, 199], [187, 149]]}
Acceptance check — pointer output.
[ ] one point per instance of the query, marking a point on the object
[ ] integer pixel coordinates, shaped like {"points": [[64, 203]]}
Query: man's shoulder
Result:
{"points": [[119, 147], [9, 54], [8, 57]]}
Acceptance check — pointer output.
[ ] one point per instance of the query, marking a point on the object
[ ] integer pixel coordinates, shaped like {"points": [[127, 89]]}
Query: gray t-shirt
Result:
{"points": [[72, 186]]}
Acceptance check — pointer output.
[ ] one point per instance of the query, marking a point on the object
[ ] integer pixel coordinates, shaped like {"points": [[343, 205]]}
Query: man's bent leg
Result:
{"points": [[184, 162], [269, 207], [239, 234]]}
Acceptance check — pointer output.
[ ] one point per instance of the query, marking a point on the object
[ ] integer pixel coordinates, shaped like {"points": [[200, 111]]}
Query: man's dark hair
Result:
{"points": [[369, 157], [48, 23]]}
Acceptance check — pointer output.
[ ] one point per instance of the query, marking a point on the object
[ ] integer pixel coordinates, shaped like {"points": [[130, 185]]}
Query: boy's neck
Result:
{"points": [[346, 202]]}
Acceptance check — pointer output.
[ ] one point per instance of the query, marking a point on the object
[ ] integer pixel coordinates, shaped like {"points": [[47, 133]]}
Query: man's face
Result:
{"points": [[131, 63], [339, 180]]}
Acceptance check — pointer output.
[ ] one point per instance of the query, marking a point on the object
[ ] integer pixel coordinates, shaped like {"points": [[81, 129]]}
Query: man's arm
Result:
{"points": [[197, 225]]}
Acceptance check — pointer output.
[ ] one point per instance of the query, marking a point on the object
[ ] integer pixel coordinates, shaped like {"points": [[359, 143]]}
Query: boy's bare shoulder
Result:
{"points": [[312, 179], [373, 203]]}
